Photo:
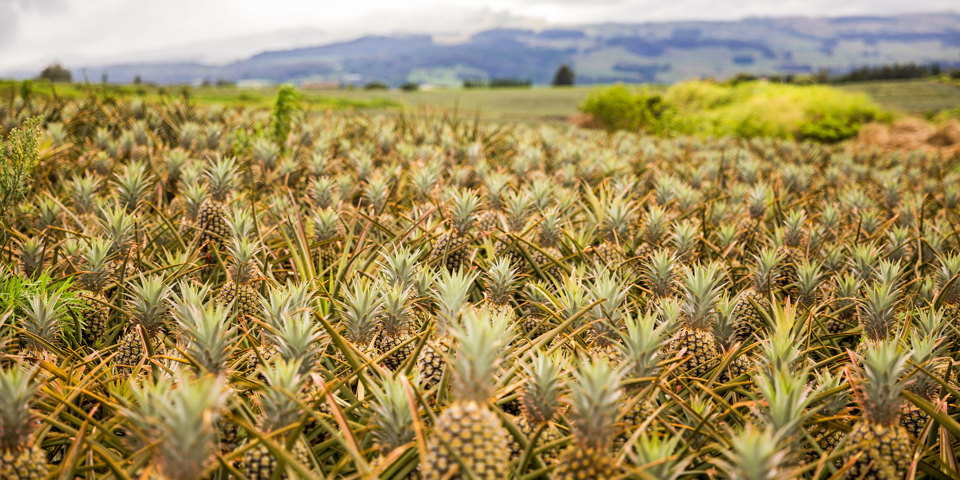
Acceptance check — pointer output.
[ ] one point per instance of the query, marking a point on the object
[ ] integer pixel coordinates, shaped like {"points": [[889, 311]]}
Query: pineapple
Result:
{"points": [[239, 290], [32, 253], [614, 221], [548, 238], [279, 408], [594, 401], [653, 230], [534, 320], [607, 316], [209, 335], [846, 290], [451, 297], [661, 273], [885, 445], [148, 303], [468, 440], [362, 307], [395, 325], [877, 312], [702, 287], [791, 252], [221, 177], [392, 421], [20, 458], [727, 330], [640, 346], [328, 231], [516, 210], [540, 404], [95, 277], [755, 299], [500, 284], [927, 351], [453, 245], [43, 321]]}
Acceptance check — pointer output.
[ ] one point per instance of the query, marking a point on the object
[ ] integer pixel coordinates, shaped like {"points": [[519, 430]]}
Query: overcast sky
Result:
{"points": [[88, 32]]}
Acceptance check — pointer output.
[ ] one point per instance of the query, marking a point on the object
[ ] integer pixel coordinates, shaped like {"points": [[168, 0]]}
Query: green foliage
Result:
{"points": [[18, 158], [743, 109], [16, 292], [564, 76], [621, 108], [285, 110], [56, 73]]}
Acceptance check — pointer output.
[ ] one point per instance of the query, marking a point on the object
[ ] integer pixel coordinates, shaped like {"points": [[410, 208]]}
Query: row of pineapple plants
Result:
{"points": [[200, 292]]}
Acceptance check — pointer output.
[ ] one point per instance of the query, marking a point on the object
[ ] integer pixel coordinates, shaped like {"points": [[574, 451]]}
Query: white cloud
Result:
{"points": [[34, 32]]}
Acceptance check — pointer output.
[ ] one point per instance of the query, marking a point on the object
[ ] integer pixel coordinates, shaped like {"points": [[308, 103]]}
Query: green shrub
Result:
{"points": [[620, 108]]}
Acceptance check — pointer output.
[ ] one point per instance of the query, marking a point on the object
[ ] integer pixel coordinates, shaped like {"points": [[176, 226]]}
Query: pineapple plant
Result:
{"points": [[239, 291], [452, 247], [221, 179], [755, 300], [95, 277], [500, 283], [883, 443], [148, 303], [328, 230], [549, 234], [360, 315], [791, 252], [396, 320], [468, 440], [694, 338], [20, 457], [593, 401], [541, 405], [450, 294]]}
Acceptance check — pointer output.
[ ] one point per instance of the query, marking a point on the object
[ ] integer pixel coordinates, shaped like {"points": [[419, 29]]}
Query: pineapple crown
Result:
{"points": [[463, 205], [174, 161], [549, 228], [193, 194], [878, 386], [321, 190], [655, 223], [640, 344], [479, 343], [132, 183], [659, 456], [186, 419], [616, 218], [685, 238], [889, 272], [594, 400], [863, 258], [399, 267], [452, 289], [925, 354], [360, 311], [765, 271], [221, 176], [119, 227], [278, 401], [808, 278], [878, 310], [543, 387], [496, 184], [397, 309], [500, 281], [535, 298], [393, 420], [793, 228], [289, 299], [16, 420], [702, 287], [517, 207], [757, 200], [376, 191], [241, 222], [755, 454], [784, 398], [298, 340], [43, 315], [326, 224], [611, 291], [725, 329], [781, 347], [243, 262], [949, 268], [659, 273], [148, 302], [209, 333], [830, 393]]}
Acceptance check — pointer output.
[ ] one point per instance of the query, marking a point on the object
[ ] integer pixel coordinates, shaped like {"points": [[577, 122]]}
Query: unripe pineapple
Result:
{"points": [[32, 253], [755, 299], [791, 251], [133, 184], [399, 267], [614, 217], [95, 277], [755, 453], [877, 311], [640, 345], [208, 332], [728, 331], [393, 420], [396, 320], [846, 290], [360, 314], [43, 320], [702, 286], [468, 436], [606, 318], [451, 298], [148, 303], [328, 230], [594, 401], [453, 245], [884, 445], [927, 343], [534, 320], [278, 408], [516, 209], [661, 273], [652, 231], [548, 238], [242, 274], [808, 285], [20, 458], [500, 283], [221, 177]]}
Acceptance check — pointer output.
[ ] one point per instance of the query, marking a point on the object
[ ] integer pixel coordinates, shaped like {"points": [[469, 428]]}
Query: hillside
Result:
{"points": [[605, 53]]}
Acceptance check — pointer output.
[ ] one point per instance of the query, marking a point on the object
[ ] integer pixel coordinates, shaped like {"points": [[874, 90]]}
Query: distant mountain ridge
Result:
{"points": [[603, 53]]}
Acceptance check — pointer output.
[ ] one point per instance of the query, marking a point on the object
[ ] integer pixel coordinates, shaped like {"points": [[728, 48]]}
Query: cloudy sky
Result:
{"points": [[89, 32]]}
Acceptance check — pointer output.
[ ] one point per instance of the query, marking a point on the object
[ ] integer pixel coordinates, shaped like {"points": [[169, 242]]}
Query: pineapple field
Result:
{"points": [[192, 291]]}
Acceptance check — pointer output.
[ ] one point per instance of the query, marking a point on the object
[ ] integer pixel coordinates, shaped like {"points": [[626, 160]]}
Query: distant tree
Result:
{"points": [[376, 86], [564, 76], [137, 80], [410, 87], [55, 73], [103, 78]]}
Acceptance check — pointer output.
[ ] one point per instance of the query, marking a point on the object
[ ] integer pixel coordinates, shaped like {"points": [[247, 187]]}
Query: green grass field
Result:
{"points": [[923, 97]]}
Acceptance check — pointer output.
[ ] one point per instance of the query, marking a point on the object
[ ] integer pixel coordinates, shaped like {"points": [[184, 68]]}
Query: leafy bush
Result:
{"points": [[744, 109], [620, 108], [285, 109], [18, 158]]}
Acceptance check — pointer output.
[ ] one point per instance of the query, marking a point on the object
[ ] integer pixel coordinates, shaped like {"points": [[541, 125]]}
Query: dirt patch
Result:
{"points": [[911, 134]]}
